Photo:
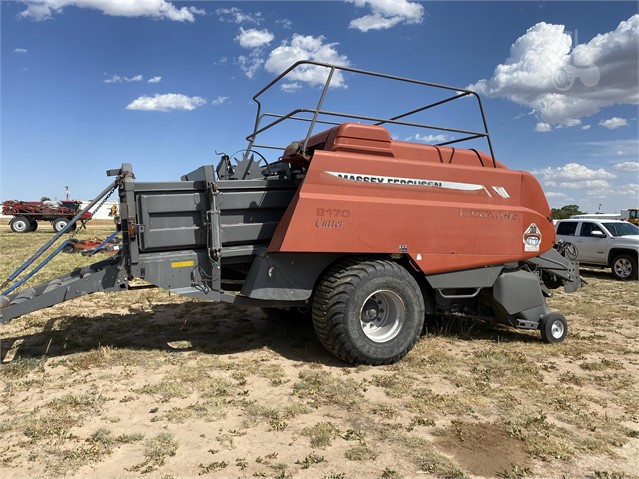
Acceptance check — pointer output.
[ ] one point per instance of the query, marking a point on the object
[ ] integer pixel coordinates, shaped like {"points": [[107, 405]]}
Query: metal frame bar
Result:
{"points": [[459, 93], [55, 237]]}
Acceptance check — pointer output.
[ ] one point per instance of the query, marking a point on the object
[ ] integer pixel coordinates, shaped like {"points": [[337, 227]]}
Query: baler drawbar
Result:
{"points": [[363, 233]]}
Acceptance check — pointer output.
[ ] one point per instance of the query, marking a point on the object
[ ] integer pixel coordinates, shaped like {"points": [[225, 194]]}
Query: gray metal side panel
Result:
{"points": [[248, 233], [252, 216], [178, 270], [203, 173], [172, 215], [172, 220], [472, 278], [285, 276], [518, 291]]}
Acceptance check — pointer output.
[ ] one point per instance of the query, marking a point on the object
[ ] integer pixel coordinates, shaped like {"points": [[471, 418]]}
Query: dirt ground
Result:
{"points": [[148, 384]]}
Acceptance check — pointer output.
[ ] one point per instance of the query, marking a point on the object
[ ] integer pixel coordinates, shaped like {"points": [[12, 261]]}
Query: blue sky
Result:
{"points": [[90, 84]]}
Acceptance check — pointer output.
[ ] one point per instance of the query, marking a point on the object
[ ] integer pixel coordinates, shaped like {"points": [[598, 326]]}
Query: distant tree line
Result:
{"points": [[565, 212]]}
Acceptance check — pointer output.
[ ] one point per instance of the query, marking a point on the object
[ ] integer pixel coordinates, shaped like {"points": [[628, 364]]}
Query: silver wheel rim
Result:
{"points": [[60, 226], [382, 316], [20, 225], [557, 329], [623, 268]]}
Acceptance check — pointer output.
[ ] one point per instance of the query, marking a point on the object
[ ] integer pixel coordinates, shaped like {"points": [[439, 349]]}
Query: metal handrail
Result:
{"points": [[317, 112]]}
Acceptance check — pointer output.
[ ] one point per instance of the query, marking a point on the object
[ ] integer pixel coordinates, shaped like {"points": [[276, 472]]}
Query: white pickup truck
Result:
{"points": [[602, 243]]}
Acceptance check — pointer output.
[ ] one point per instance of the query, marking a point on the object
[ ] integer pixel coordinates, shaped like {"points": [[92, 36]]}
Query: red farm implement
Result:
{"points": [[26, 214]]}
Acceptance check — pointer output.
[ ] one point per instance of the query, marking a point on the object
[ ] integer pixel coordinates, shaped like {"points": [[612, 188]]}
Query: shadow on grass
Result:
{"points": [[219, 329], [604, 274], [471, 329], [210, 328]]}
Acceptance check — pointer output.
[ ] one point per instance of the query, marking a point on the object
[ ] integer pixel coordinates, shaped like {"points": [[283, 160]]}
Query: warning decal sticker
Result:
{"points": [[532, 238]]}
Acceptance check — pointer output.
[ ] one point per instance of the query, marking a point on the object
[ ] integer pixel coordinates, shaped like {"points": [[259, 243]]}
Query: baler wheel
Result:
{"points": [[553, 328], [34, 224], [368, 311]]}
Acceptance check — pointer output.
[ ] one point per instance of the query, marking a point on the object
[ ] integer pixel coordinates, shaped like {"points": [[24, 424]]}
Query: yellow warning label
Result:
{"points": [[182, 264]]}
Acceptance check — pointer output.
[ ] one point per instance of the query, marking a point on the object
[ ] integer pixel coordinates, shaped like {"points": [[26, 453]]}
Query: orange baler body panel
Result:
{"points": [[365, 194]]}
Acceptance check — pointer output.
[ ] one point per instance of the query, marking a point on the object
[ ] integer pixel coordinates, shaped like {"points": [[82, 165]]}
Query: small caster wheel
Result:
{"points": [[553, 328]]}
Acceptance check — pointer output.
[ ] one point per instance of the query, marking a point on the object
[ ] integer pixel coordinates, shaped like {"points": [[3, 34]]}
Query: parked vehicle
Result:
{"points": [[26, 214], [369, 232], [631, 215], [602, 243]]}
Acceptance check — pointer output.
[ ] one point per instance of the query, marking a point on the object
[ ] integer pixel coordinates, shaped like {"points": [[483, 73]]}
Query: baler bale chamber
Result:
{"points": [[363, 233]]}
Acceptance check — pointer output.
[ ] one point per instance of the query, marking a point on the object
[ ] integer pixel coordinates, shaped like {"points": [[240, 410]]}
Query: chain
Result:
{"points": [[104, 200]]}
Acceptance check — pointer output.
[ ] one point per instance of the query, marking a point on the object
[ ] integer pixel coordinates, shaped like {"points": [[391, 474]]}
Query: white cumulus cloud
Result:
{"points": [[555, 194], [614, 122], [386, 14], [156, 79], [235, 15], [543, 127], [290, 87], [20, 50], [220, 100], [253, 38], [562, 83], [631, 189], [439, 138], [285, 23], [574, 176], [627, 166], [573, 171], [166, 102], [159, 9], [115, 78], [307, 47], [250, 64], [578, 185], [572, 122]]}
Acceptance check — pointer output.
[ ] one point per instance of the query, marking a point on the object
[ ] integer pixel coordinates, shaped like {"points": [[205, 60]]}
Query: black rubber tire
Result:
{"points": [[551, 281], [20, 224], [553, 328], [69, 248], [624, 267], [288, 314], [59, 223], [34, 224], [339, 317]]}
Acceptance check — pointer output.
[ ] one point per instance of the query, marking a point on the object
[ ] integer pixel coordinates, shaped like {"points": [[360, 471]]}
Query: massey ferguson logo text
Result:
{"points": [[386, 179], [392, 180]]}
